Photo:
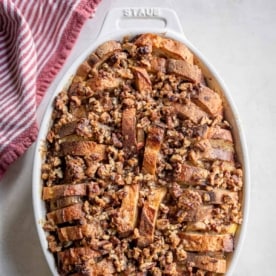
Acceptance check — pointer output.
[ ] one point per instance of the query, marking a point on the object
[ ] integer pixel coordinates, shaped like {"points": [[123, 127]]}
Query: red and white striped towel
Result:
{"points": [[35, 39]]}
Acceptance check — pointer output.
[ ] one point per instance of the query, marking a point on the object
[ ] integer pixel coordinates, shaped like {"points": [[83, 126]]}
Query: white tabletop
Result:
{"points": [[238, 37]]}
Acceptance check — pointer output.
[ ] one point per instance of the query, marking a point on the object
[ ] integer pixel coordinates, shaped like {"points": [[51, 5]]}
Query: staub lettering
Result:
{"points": [[142, 12]]}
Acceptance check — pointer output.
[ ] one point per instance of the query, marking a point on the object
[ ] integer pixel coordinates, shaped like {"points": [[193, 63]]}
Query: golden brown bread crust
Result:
{"points": [[153, 185], [207, 263], [208, 100], [165, 47], [78, 232], [67, 129], [129, 129], [83, 70], [78, 111], [211, 149], [74, 256], [96, 59], [64, 190], [184, 69], [104, 82], [76, 130], [107, 48], [219, 196], [152, 147], [219, 133], [200, 214], [187, 174], [204, 242], [142, 80], [149, 216], [67, 214], [127, 215], [140, 138], [62, 202], [157, 65], [190, 111], [84, 148], [103, 267]]}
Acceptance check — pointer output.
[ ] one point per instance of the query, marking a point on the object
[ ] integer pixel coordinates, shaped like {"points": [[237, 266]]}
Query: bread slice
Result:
{"points": [[127, 216], [83, 70], [152, 148], [107, 48], [142, 79], [187, 174], [149, 215], [200, 214], [103, 268], [190, 111], [67, 214], [83, 148], [204, 227], [71, 138], [207, 242], [157, 64], [64, 190], [78, 111], [102, 53], [212, 149], [71, 257], [184, 69], [219, 133], [208, 263], [140, 137], [167, 47], [67, 129], [219, 196], [104, 82], [129, 129], [78, 130], [62, 202], [208, 100], [78, 232]]}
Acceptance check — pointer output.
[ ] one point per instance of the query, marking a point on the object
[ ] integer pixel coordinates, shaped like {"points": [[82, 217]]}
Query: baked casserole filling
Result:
{"points": [[141, 175]]}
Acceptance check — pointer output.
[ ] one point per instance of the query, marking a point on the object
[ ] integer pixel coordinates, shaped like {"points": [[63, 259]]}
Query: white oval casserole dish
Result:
{"points": [[112, 30]]}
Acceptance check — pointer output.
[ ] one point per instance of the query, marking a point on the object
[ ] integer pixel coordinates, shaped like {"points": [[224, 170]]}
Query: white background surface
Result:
{"points": [[238, 37]]}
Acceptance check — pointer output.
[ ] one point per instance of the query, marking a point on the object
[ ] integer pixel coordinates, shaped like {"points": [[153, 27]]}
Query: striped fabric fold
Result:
{"points": [[36, 37]]}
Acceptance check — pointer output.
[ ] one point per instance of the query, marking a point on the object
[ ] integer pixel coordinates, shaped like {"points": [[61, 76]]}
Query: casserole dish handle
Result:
{"points": [[140, 19]]}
